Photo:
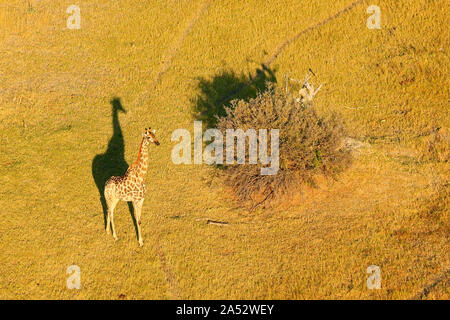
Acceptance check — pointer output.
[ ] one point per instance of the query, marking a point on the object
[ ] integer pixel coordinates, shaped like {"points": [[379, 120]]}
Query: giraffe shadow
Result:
{"points": [[112, 162]]}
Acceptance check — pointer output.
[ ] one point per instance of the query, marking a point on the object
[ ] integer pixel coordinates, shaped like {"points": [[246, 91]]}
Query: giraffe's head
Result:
{"points": [[149, 136]]}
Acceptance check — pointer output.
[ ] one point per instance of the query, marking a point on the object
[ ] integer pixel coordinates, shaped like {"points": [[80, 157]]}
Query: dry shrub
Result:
{"points": [[309, 144]]}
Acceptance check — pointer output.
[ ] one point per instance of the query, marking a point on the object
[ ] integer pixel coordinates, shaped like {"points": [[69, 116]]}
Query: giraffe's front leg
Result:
{"points": [[108, 224], [138, 211]]}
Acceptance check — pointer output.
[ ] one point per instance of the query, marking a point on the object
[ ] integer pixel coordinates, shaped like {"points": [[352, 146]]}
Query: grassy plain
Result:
{"points": [[390, 209]]}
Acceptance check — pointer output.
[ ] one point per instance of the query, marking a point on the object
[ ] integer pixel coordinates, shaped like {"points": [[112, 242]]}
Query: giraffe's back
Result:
{"points": [[124, 189]]}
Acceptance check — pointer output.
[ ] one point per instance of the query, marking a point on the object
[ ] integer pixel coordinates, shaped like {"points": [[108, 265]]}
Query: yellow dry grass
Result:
{"points": [[390, 209]]}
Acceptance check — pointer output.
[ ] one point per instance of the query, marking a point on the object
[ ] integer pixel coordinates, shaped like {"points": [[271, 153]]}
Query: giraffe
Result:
{"points": [[130, 186]]}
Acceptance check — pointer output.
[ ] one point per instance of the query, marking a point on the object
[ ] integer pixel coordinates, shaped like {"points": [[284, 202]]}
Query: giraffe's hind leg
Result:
{"points": [[137, 204]]}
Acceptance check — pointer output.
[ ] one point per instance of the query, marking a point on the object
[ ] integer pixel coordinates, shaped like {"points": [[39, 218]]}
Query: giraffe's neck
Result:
{"points": [[141, 164]]}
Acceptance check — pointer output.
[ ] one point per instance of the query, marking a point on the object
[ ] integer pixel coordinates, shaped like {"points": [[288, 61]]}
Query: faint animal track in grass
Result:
{"points": [[168, 272], [286, 43], [166, 62], [173, 49], [291, 40], [426, 291], [167, 59]]}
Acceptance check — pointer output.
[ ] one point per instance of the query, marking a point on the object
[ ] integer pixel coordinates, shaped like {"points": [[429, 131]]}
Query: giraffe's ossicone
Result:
{"points": [[130, 186]]}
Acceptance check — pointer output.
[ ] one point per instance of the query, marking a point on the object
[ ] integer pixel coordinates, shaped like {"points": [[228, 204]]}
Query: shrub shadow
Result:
{"points": [[112, 162], [216, 94]]}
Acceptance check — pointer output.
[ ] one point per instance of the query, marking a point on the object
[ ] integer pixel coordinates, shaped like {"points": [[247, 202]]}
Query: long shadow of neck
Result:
{"points": [[116, 146]]}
